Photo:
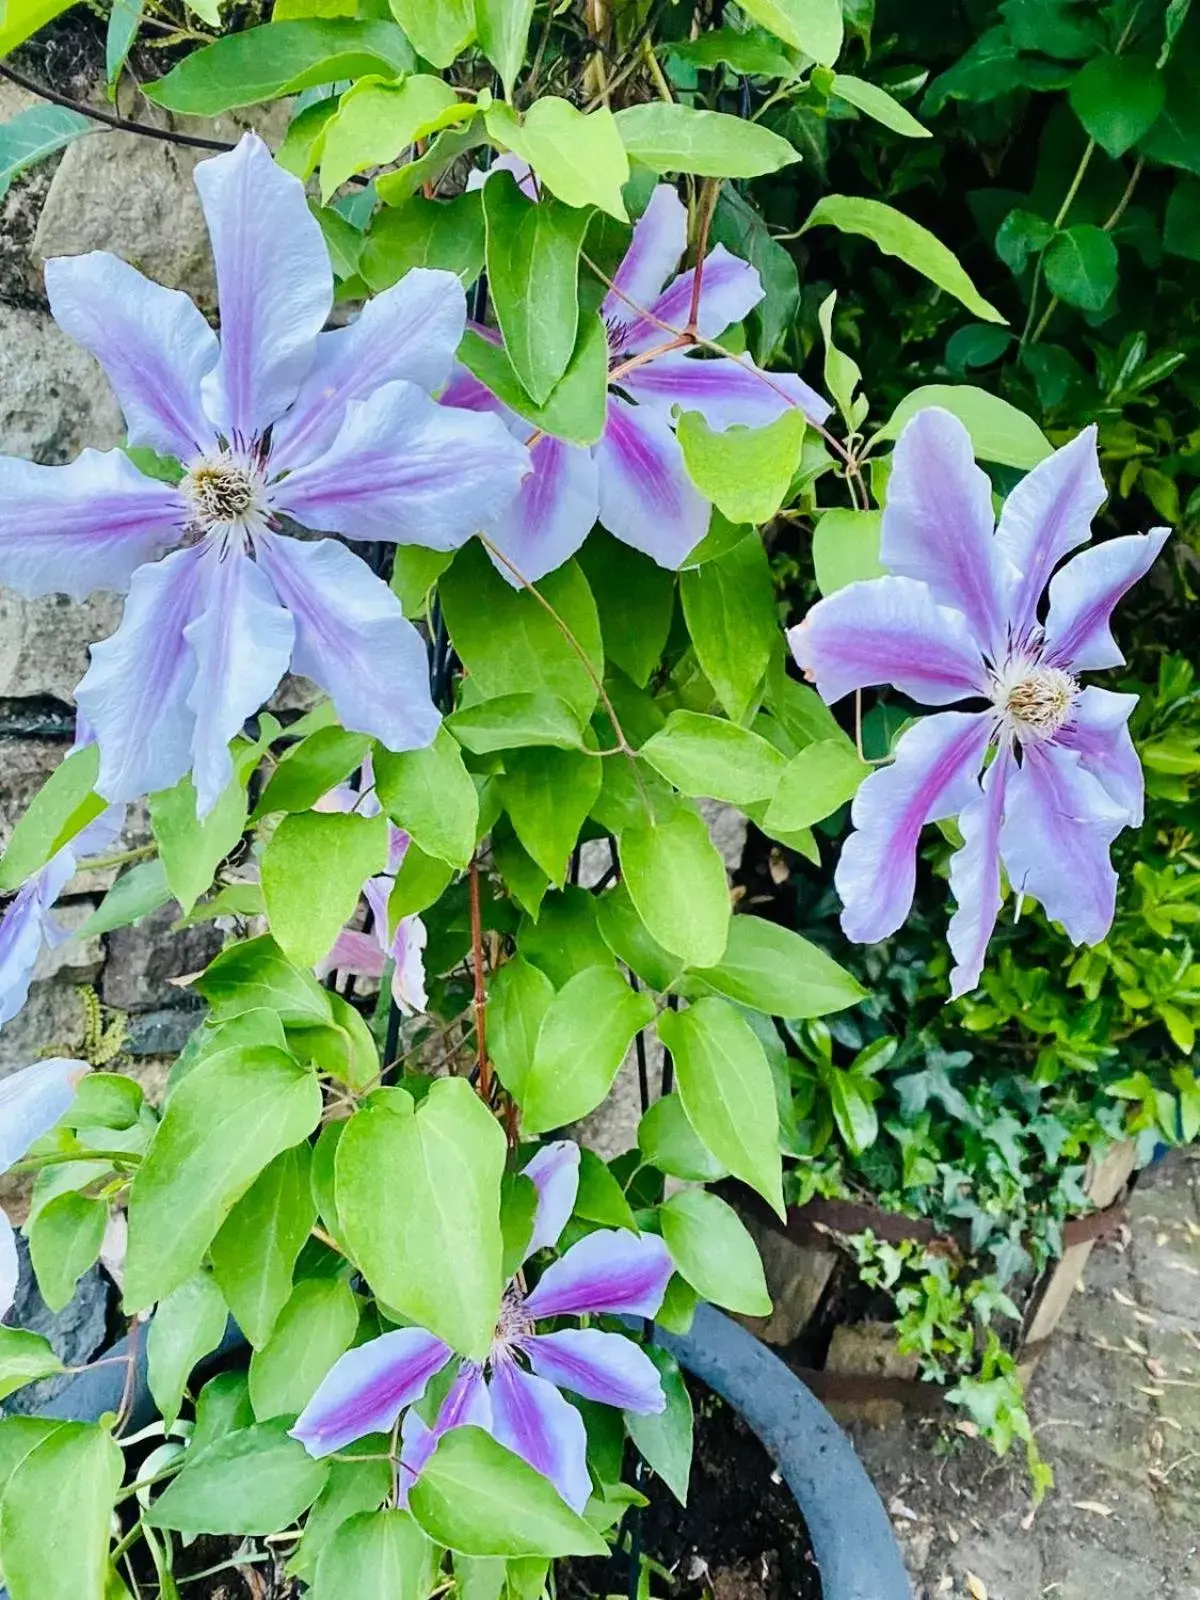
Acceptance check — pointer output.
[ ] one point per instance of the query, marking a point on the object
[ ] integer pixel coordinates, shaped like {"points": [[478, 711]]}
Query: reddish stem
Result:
{"points": [[480, 998]]}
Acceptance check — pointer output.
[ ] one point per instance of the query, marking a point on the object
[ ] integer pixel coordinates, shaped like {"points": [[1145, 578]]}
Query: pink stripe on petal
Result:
{"points": [[1084, 593], [729, 290], [1099, 731], [725, 391], [554, 1172], [555, 510], [975, 875], [357, 952], [531, 1418], [659, 240], [367, 1388], [933, 775], [606, 1367], [86, 526], [467, 1405], [646, 497], [889, 630], [608, 1271]]}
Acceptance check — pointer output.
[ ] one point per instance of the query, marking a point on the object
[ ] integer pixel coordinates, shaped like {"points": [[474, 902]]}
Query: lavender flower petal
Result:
{"points": [[367, 1388], [554, 1173], [86, 526], [153, 343], [975, 875], [26, 926], [730, 288], [410, 331], [1099, 731], [1049, 513], [521, 171], [1083, 594], [889, 630], [242, 640], [531, 1418], [724, 391], [353, 640], [467, 1405], [10, 1266], [606, 1367], [608, 1271], [274, 283], [938, 524], [553, 513], [135, 693], [647, 498], [1059, 823], [406, 469], [405, 947], [659, 240], [31, 1102], [357, 952], [933, 776]]}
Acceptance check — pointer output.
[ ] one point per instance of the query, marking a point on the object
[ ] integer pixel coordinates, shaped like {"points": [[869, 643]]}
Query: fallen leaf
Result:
{"points": [[898, 1509], [976, 1587], [1146, 1319], [1155, 1367], [1146, 1388], [1123, 1299], [1171, 1422], [1095, 1506], [1135, 1347]]}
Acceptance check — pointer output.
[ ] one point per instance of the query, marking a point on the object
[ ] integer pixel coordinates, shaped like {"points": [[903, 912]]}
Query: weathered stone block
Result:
{"points": [[143, 960], [44, 642], [796, 1279], [51, 1023], [53, 397]]}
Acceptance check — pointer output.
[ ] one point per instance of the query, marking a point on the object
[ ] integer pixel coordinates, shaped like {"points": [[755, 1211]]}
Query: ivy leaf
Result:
{"points": [[1118, 99], [313, 872], [578, 156], [710, 1245], [277, 59], [585, 1033], [898, 235], [1081, 266], [745, 472], [668, 137]]}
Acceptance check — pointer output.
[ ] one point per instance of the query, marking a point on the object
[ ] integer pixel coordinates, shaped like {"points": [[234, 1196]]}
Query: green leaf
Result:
{"points": [[729, 606], [256, 1249], [305, 137], [778, 972], [375, 1553], [548, 794], [257, 975], [1081, 266], [631, 941], [999, 432], [576, 409], [710, 1246], [376, 120], [1118, 100], [478, 1498], [578, 156], [18, 22], [24, 1358], [61, 809], [56, 1515], [533, 274], [600, 1198], [502, 27], [522, 876], [444, 234], [741, 229], [853, 1112], [511, 721], [668, 1141], [814, 26], [510, 644], [709, 756], [519, 996], [315, 1327], [393, 188], [728, 1092], [278, 59], [846, 548], [310, 769], [64, 1241], [667, 137], [441, 1167], [135, 895], [188, 1325], [664, 1439], [822, 777], [745, 472], [313, 872], [233, 1113], [898, 235], [429, 793], [879, 105], [253, 1481], [440, 30], [753, 52], [585, 1034], [635, 598], [353, 1486], [1181, 231], [419, 883], [676, 879], [34, 134], [565, 939], [192, 848]]}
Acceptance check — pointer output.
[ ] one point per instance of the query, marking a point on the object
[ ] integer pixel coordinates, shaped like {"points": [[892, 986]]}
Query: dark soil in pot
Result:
{"points": [[741, 1535]]}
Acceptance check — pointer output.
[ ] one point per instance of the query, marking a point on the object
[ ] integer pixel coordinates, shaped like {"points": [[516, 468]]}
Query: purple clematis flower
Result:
{"points": [[31, 1102], [367, 954], [634, 480], [606, 1272], [960, 619], [334, 430]]}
